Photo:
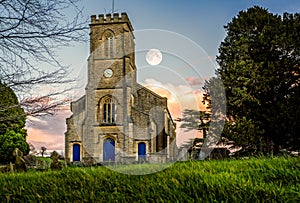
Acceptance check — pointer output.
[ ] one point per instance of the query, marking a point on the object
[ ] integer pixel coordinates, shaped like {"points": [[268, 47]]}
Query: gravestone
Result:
{"points": [[20, 164], [55, 165]]}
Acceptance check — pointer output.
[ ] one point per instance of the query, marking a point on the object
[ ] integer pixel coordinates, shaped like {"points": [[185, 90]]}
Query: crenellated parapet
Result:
{"points": [[110, 18]]}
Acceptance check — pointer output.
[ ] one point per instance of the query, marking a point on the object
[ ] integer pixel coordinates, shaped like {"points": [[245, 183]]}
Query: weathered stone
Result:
{"points": [[55, 165], [116, 110], [20, 164]]}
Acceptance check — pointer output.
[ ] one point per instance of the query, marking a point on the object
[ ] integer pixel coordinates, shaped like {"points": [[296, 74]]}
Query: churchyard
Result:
{"points": [[231, 180]]}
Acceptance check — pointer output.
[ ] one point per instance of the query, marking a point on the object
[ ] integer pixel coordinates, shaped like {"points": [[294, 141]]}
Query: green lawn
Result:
{"points": [[251, 180]]}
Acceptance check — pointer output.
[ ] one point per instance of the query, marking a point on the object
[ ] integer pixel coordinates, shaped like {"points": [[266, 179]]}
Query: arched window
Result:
{"points": [[108, 37], [109, 110]]}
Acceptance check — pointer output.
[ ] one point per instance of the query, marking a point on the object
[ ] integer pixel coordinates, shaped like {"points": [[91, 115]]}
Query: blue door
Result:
{"points": [[109, 150], [142, 151], [76, 152]]}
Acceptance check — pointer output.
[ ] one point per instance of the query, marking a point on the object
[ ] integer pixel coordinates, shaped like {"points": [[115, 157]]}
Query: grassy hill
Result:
{"points": [[265, 180]]}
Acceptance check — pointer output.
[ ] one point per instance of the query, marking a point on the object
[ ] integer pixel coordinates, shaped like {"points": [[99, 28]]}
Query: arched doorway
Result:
{"points": [[109, 150], [142, 151], [76, 152]]}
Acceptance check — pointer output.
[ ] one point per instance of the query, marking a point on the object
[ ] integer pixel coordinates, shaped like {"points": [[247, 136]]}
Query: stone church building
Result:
{"points": [[117, 120]]}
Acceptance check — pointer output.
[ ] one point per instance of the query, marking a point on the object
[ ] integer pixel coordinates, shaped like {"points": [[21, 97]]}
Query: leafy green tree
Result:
{"points": [[259, 66], [9, 141], [12, 116], [12, 132]]}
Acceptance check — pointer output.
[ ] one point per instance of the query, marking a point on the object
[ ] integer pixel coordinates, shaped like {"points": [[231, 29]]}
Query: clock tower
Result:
{"points": [[111, 76]]}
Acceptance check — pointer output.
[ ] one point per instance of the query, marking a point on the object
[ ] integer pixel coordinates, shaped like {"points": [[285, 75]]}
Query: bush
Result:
{"points": [[30, 159], [9, 142]]}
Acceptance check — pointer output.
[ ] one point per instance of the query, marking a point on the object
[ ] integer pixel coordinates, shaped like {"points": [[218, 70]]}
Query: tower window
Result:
{"points": [[109, 111], [108, 38]]}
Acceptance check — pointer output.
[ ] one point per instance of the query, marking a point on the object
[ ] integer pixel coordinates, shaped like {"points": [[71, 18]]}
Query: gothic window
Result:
{"points": [[109, 111], [108, 38]]}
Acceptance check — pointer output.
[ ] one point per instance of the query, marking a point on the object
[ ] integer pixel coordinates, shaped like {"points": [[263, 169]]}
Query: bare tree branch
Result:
{"points": [[30, 34]]}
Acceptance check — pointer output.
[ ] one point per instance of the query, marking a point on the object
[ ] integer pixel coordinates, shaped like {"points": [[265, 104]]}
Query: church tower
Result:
{"points": [[111, 76], [117, 120]]}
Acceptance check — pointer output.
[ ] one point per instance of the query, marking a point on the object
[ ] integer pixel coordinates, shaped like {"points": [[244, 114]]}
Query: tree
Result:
{"points": [[196, 120], [210, 122], [30, 34], [9, 142], [259, 66], [12, 123], [32, 150], [43, 150], [11, 114]]}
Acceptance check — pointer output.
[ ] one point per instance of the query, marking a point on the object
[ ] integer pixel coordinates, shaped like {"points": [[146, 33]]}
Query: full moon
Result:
{"points": [[154, 57]]}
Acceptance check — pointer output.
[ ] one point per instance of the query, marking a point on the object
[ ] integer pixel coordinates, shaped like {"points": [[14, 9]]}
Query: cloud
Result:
{"points": [[31, 120], [48, 131], [184, 137], [194, 81], [180, 97]]}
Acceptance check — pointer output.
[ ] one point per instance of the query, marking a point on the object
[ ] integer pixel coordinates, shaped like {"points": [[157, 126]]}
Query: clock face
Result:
{"points": [[108, 73]]}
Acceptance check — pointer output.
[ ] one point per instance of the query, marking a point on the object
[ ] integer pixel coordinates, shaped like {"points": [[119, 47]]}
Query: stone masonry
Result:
{"points": [[117, 120]]}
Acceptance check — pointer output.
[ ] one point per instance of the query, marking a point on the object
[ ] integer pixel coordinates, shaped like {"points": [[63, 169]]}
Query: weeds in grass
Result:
{"points": [[263, 179]]}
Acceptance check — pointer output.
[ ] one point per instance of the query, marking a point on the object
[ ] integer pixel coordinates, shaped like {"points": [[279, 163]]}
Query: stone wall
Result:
{"points": [[141, 115]]}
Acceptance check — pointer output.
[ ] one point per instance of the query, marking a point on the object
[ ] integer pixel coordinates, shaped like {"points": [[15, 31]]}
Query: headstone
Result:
{"points": [[20, 164], [55, 165]]}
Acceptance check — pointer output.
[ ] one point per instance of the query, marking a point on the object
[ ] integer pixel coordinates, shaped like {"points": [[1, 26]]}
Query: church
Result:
{"points": [[117, 120]]}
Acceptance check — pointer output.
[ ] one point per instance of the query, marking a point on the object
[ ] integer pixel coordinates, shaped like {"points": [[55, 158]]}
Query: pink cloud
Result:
{"points": [[194, 81], [180, 97], [48, 131]]}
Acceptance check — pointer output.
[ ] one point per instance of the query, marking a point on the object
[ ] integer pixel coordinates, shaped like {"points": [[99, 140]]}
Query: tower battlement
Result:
{"points": [[117, 121], [110, 18]]}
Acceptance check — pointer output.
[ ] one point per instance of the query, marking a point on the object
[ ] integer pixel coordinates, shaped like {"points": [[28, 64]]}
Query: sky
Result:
{"points": [[197, 24]]}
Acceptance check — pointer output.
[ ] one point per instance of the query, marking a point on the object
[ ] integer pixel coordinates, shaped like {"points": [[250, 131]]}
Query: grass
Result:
{"points": [[252, 180]]}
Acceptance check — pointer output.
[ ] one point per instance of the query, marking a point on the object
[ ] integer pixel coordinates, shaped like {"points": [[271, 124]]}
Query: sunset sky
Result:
{"points": [[196, 25]]}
